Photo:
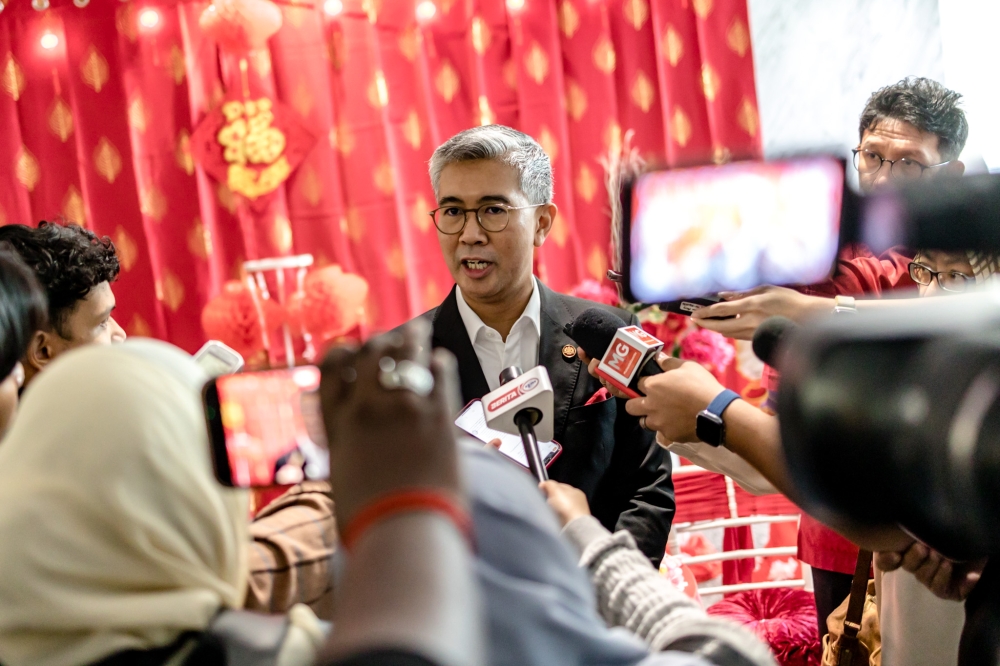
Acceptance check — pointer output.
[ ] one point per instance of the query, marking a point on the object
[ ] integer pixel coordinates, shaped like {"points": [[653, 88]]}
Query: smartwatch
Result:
{"points": [[709, 427]]}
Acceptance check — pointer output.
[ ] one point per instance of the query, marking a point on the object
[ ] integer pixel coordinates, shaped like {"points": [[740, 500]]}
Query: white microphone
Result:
{"points": [[522, 403]]}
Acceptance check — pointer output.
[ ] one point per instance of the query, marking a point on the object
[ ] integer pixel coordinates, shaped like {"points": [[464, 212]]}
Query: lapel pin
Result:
{"points": [[569, 353]]}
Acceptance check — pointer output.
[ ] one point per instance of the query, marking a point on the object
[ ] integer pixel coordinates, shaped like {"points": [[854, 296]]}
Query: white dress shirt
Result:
{"points": [[495, 354]]}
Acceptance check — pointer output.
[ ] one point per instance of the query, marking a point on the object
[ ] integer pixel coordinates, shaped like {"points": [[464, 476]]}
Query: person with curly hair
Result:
{"points": [[22, 312], [75, 268]]}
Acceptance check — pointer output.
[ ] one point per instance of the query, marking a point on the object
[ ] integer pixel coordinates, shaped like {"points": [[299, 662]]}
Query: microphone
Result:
{"points": [[627, 353], [769, 336], [523, 401]]}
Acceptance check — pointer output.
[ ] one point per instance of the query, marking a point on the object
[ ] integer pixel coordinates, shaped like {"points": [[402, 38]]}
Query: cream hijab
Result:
{"points": [[114, 534]]}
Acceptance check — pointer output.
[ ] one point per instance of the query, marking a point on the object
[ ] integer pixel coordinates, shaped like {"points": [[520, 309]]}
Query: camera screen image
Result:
{"points": [[702, 230], [267, 418]]}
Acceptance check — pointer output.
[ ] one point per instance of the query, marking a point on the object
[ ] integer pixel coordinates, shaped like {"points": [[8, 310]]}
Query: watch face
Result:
{"points": [[709, 428]]}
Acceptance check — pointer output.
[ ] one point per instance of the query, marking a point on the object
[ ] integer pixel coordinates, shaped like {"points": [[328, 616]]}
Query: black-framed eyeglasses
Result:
{"points": [[953, 281], [492, 217], [869, 162]]}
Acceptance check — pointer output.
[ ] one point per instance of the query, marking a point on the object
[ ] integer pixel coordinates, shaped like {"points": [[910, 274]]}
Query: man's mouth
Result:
{"points": [[476, 264]]}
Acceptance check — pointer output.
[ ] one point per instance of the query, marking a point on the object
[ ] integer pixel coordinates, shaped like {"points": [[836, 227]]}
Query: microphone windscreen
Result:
{"points": [[768, 337], [593, 330]]}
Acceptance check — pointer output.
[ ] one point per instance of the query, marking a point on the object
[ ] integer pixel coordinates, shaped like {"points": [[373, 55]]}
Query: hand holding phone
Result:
{"points": [[384, 437]]}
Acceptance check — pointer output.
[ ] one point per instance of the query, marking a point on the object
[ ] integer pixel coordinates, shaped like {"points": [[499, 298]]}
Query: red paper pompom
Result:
{"points": [[331, 304], [232, 318], [784, 619], [239, 26]]}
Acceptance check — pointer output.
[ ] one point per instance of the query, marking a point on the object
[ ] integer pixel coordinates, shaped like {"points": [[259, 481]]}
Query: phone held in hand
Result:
{"points": [[218, 359], [472, 420], [690, 233], [266, 428]]}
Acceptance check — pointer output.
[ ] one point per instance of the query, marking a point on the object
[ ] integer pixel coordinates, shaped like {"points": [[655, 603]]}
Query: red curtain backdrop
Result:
{"points": [[97, 130]]}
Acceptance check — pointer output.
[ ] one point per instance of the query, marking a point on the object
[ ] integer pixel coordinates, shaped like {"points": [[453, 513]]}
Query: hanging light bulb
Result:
{"points": [[515, 5], [1, 5], [49, 41], [426, 10], [149, 18], [333, 7], [40, 5], [81, 3]]}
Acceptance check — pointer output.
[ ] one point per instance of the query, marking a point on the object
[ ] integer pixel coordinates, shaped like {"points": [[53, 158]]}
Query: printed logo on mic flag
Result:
{"points": [[622, 358]]}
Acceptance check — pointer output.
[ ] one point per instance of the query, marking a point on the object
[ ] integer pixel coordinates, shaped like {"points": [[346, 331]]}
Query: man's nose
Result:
{"points": [[882, 176], [117, 332], [472, 233]]}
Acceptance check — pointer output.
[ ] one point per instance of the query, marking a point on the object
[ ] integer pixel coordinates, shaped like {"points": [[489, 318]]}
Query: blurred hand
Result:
{"points": [[495, 443], [568, 502], [752, 307], [946, 579], [673, 399], [385, 440], [592, 364]]}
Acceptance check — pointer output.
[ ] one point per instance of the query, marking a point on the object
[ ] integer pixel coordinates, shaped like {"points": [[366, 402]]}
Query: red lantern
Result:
{"points": [[232, 318], [239, 26], [331, 304]]}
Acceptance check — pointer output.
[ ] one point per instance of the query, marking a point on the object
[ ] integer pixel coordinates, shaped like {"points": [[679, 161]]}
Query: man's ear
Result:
{"points": [[955, 168], [546, 221], [41, 351]]}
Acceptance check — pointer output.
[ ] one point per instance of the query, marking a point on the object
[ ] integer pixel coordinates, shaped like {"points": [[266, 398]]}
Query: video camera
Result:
{"points": [[892, 417], [888, 417]]}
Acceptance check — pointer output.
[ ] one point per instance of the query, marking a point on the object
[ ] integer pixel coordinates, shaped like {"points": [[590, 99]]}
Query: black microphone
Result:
{"points": [[594, 329], [769, 336]]}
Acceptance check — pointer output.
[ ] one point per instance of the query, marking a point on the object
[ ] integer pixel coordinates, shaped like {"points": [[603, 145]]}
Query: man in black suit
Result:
{"points": [[494, 191]]}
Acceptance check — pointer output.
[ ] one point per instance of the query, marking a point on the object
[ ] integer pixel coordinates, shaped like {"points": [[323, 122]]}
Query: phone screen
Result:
{"points": [[702, 230], [267, 423]]}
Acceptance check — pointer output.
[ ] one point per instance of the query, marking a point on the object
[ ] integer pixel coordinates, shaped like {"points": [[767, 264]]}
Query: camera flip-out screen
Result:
{"points": [[702, 230]]}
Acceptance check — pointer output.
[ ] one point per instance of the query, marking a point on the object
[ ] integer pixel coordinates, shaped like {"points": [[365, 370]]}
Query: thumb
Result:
{"points": [[668, 363]]}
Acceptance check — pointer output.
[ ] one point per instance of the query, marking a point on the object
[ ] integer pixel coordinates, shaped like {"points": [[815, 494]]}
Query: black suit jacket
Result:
{"points": [[617, 464]]}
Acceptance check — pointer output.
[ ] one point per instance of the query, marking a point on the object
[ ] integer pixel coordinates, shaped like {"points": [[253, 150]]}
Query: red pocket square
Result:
{"points": [[600, 396]]}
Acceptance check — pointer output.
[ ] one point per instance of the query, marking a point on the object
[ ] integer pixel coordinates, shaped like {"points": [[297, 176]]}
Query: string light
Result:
{"points": [[40, 5], [515, 5], [81, 3], [333, 7], [426, 10], [49, 41], [149, 18]]}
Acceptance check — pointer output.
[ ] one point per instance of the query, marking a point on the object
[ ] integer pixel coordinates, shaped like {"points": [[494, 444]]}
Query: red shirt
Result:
{"points": [[858, 272]]}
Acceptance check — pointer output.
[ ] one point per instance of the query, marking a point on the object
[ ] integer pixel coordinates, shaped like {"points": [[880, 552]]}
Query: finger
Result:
{"points": [[888, 561], [925, 572], [915, 557], [337, 377], [582, 355], [495, 443], [736, 295], [724, 309], [637, 407], [731, 328], [592, 367], [549, 487], [967, 584], [942, 579], [444, 368], [667, 362]]}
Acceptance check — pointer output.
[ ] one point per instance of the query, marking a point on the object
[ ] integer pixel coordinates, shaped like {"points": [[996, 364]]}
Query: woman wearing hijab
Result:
{"points": [[22, 312], [117, 544]]}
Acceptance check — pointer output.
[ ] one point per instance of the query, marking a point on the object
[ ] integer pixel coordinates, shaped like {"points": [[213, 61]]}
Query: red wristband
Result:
{"points": [[406, 501]]}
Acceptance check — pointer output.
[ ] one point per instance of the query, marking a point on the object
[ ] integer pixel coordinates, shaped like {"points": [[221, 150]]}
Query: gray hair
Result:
{"points": [[507, 145]]}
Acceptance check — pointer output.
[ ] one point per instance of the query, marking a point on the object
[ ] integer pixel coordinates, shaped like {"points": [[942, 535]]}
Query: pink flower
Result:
{"points": [[592, 290], [709, 348]]}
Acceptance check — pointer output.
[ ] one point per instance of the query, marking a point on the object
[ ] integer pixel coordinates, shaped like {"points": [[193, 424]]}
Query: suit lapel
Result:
{"points": [[563, 375], [450, 333]]}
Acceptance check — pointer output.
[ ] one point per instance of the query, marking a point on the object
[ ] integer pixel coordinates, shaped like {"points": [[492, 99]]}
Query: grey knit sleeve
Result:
{"points": [[633, 595]]}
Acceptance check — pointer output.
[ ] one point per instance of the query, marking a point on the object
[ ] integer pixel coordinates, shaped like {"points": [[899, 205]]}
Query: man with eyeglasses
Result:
{"points": [[494, 193]]}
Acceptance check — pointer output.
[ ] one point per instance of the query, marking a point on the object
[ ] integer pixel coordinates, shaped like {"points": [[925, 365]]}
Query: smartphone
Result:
{"points": [[693, 232], [265, 428], [472, 420], [218, 359]]}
